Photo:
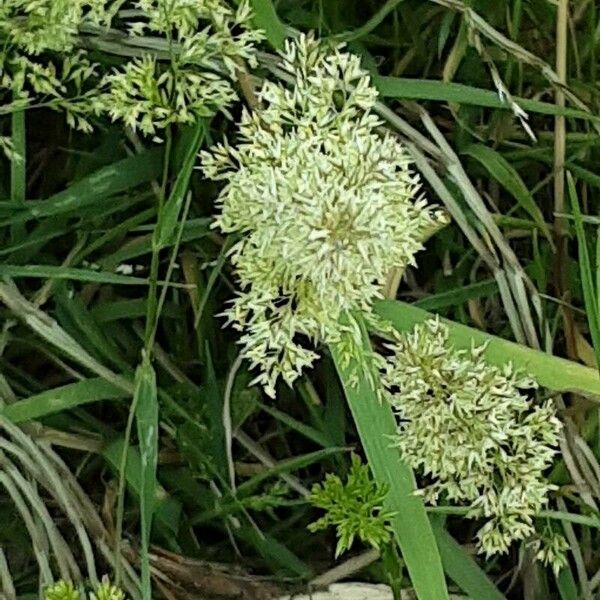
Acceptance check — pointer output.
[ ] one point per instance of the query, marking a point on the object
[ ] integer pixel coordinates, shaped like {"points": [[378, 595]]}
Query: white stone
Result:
{"points": [[357, 591], [349, 591]]}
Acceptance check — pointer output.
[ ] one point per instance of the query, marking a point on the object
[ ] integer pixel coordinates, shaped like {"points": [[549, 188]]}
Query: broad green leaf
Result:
{"points": [[62, 398], [566, 585], [265, 18], [550, 371], [503, 172], [376, 423], [146, 415]]}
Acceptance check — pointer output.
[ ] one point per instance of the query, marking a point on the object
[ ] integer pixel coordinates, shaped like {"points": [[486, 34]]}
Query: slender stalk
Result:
{"points": [[17, 164], [18, 168], [151, 318], [152, 311], [560, 224], [8, 586]]}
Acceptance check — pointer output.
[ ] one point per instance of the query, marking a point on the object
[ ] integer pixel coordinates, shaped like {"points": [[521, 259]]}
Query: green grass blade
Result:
{"points": [[550, 371], [192, 230], [376, 423], [567, 587], [167, 510], [213, 395], [442, 91], [62, 398], [72, 313], [372, 23], [504, 173], [168, 218], [459, 295], [588, 282], [18, 177], [274, 551], [75, 274], [461, 568], [119, 177], [302, 428], [129, 309], [288, 465], [211, 281], [18, 168], [146, 414], [585, 175]]}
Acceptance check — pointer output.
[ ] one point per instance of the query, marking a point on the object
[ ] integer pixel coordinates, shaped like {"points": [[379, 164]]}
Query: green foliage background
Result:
{"points": [[112, 360]]}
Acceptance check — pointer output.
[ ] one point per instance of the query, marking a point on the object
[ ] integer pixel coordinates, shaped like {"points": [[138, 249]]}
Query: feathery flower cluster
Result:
{"points": [[37, 26], [202, 42], [324, 203], [29, 30], [469, 428], [212, 41]]}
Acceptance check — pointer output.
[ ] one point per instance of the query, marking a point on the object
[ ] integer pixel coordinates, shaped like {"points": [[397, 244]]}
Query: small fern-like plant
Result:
{"points": [[354, 508]]}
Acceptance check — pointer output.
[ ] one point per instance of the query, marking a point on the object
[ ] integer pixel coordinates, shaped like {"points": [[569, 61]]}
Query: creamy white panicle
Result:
{"points": [[212, 39], [325, 205], [469, 428]]}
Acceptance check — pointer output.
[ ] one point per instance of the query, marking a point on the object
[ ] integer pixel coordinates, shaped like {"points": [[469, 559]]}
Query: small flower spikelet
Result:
{"points": [[65, 590], [324, 204], [62, 590], [551, 550], [468, 427], [107, 591], [141, 95], [354, 508]]}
